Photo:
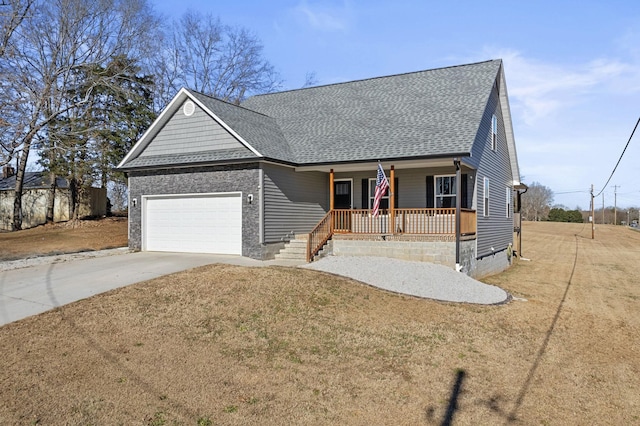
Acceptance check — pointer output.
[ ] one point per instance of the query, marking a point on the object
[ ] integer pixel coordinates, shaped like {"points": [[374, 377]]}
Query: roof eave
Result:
{"points": [[247, 160]]}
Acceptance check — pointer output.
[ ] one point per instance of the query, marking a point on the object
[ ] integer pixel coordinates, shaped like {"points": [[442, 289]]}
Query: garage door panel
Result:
{"points": [[198, 224]]}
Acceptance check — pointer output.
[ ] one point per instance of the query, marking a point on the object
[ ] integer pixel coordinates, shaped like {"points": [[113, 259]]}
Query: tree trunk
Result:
{"points": [[52, 198], [17, 201], [73, 204]]}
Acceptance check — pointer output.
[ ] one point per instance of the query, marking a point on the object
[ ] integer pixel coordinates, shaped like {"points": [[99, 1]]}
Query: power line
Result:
{"points": [[619, 159], [584, 191]]}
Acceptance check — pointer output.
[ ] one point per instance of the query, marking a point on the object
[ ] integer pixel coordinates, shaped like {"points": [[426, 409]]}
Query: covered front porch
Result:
{"points": [[446, 215], [423, 222]]}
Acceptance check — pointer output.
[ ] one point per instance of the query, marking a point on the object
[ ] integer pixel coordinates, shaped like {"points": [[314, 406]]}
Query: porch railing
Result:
{"points": [[319, 236], [405, 221]]}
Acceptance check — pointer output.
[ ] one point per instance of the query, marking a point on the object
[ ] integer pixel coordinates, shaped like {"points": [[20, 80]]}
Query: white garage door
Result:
{"points": [[210, 223]]}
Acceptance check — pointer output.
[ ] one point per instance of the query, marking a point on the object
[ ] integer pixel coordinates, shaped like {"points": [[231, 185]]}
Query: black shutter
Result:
{"points": [[463, 188], [365, 193], [430, 192], [395, 201]]}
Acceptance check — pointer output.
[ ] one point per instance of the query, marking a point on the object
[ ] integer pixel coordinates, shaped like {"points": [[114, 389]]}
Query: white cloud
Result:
{"points": [[323, 17], [541, 89]]}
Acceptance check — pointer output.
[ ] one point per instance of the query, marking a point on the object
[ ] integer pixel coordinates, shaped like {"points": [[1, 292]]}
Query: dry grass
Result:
{"points": [[65, 237], [242, 346]]}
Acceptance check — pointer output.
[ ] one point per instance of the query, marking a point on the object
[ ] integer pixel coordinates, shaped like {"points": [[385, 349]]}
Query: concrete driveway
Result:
{"points": [[54, 282]]}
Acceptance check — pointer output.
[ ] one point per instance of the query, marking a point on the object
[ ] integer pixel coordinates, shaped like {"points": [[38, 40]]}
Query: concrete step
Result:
{"points": [[294, 249], [291, 256], [296, 243]]}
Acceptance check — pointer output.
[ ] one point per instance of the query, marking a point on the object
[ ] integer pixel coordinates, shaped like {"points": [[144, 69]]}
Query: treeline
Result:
{"points": [[562, 215], [81, 80], [537, 204]]}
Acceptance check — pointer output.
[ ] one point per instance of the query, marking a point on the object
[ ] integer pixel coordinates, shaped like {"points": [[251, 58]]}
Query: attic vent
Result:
{"points": [[189, 108]]}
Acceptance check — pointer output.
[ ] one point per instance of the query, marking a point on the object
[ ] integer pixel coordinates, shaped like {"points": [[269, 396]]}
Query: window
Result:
{"points": [[445, 191], [508, 201], [384, 201], [486, 197], [494, 132], [343, 188]]}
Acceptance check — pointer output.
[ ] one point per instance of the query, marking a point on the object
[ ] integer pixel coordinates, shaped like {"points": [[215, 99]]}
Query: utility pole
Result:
{"points": [[603, 207], [615, 204], [593, 218]]}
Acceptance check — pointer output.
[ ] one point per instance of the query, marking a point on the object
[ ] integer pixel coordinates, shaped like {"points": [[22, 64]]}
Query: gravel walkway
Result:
{"points": [[419, 279]]}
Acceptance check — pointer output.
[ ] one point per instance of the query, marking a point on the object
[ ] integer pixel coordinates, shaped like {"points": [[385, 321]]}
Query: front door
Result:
{"points": [[342, 194], [342, 200]]}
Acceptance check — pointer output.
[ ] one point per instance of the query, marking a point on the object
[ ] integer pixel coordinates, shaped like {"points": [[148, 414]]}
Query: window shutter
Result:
{"points": [[464, 190], [430, 192], [365, 193]]}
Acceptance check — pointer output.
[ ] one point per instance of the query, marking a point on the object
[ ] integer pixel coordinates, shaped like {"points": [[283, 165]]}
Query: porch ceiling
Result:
{"points": [[372, 165]]}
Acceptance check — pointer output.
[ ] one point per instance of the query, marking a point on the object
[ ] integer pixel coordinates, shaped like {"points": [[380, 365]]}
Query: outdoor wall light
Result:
{"points": [[134, 202], [250, 198]]}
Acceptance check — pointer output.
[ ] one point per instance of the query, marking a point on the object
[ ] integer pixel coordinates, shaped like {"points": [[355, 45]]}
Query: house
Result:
{"points": [[213, 177], [35, 198]]}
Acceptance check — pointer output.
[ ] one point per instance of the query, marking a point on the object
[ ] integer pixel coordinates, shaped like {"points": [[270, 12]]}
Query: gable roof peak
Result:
{"points": [[376, 78], [199, 96]]}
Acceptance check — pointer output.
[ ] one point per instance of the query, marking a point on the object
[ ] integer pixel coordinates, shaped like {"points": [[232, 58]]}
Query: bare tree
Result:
{"points": [[12, 13], [201, 53], [310, 80], [536, 202], [56, 40]]}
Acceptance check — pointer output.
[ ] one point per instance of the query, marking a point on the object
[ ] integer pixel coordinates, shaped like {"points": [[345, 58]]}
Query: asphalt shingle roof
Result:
{"points": [[427, 113], [192, 158], [32, 180], [423, 114], [258, 130]]}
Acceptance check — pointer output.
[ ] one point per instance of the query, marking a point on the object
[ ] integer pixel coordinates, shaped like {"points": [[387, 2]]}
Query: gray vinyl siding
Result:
{"points": [[412, 185], [294, 202], [496, 230], [187, 134]]}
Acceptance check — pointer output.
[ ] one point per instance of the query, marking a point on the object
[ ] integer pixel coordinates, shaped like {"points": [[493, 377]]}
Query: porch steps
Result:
{"points": [[295, 249]]}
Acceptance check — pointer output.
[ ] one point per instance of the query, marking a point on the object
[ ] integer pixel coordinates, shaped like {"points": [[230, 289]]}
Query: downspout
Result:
{"points": [[456, 162], [526, 188], [261, 205]]}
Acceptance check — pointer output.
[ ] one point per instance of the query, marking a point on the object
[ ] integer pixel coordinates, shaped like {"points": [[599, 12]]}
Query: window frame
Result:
{"points": [[485, 196], [494, 132], [508, 197], [452, 195]]}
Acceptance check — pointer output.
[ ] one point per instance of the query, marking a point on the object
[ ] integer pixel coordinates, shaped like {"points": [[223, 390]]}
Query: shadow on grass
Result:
{"points": [[113, 359], [452, 406], [511, 417]]}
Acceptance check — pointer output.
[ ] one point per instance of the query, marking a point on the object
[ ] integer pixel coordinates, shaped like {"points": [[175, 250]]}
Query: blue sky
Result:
{"points": [[572, 69]]}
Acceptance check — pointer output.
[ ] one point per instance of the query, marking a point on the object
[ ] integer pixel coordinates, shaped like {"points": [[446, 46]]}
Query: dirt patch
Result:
{"points": [[239, 346], [64, 237]]}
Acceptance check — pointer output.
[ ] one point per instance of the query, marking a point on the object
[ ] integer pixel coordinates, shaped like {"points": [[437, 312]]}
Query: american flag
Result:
{"points": [[382, 184]]}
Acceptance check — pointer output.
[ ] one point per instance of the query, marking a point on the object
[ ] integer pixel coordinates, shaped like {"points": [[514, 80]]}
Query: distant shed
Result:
{"points": [[35, 197]]}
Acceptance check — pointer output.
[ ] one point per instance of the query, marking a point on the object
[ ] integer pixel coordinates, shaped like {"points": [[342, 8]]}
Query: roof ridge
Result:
{"points": [[373, 78], [227, 102]]}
